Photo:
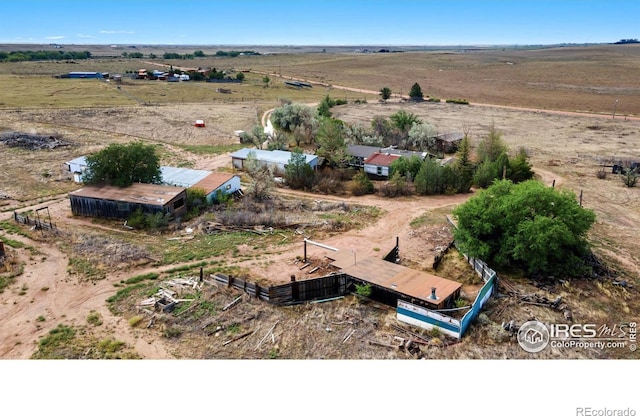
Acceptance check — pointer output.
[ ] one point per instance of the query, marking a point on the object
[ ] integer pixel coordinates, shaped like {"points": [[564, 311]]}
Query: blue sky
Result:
{"points": [[314, 22]]}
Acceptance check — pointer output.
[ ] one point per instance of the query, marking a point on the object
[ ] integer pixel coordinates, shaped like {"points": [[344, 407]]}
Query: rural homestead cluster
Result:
{"points": [[169, 197], [415, 294]]}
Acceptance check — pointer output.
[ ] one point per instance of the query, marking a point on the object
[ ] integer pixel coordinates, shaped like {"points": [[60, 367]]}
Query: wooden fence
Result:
{"points": [[37, 222], [252, 289], [300, 291]]}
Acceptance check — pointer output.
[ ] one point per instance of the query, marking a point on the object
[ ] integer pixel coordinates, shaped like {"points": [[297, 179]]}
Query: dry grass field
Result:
{"points": [[566, 148]]}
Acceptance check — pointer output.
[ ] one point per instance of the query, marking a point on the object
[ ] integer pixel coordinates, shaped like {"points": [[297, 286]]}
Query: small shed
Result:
{"points": [[105, 201], [277, 160], [199, 123], [76, 167], [379, 164], [449, 142]]}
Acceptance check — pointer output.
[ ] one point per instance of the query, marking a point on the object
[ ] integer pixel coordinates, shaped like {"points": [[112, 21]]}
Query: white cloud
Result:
{"points": [[54, 37], [116, 32], [80, 35]]}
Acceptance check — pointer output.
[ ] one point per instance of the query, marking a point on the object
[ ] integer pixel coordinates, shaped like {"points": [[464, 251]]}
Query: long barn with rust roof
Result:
{"points": [[105, 201]]}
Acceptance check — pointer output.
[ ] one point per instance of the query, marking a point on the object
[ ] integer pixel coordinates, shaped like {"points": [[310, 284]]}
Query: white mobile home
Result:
{"points": [[276, 160]]}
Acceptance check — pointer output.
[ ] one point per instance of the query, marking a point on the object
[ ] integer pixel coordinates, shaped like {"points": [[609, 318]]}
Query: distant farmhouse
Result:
{"points": [[277, 160], [376, 161], [105, 201]]}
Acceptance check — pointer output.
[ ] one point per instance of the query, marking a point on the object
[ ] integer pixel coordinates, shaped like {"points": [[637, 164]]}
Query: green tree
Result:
{"points": [[385, 94], [520, 169], [527, 225], [429, 179], [199, 54], [407, 167], [265, 81], [357, 134], [396, 186], [294, 116], [261, 183], [630, 177], [361, 184], [298, 173], [331, 142], [404, 120], [256, 136], [464, 166], [422, 136], [324, 108], [492, 145], [123, 164], [416, 92], [240, 76]]}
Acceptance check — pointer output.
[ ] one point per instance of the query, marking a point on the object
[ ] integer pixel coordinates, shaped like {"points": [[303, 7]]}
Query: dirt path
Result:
{"points": [[50, 298]]}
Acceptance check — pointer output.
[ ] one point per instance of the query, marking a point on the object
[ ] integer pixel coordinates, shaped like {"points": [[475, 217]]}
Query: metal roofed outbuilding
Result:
{"points": [[107, 201], [182, 176], [275, 159]]}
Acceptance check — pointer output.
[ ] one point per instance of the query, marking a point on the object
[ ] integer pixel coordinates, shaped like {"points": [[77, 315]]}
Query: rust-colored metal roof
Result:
{"points": [[140, 193], [395, 277], [213, 181], [381, 159]]}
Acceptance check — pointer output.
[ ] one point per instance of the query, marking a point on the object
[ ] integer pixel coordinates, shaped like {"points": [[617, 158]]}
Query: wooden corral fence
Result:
{"points": [[252, 289], [38, 223], [299, 291], [324, 287]]}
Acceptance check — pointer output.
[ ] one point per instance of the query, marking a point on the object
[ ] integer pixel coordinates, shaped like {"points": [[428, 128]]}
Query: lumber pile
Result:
{"points": [[215, 227], [165, 299], [32, 141]]}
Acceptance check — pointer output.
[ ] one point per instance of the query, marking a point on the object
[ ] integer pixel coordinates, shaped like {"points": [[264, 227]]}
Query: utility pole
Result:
{"points": [[615, 105]]}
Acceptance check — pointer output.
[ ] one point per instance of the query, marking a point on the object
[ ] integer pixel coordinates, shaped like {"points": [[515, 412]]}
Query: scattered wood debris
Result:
{"points": [[32, 141], [232, 304], [165, 299], [266, 336], [239, 337], [214, 227]]}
